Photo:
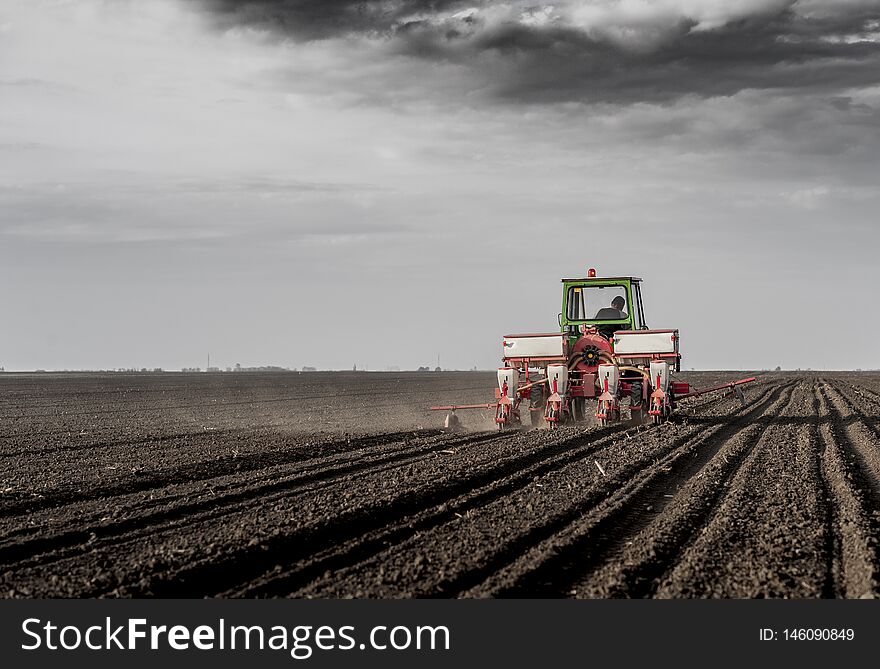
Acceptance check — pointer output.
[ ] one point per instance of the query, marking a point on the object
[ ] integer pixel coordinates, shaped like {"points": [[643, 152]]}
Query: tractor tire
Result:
{"points": [[635, 394]]}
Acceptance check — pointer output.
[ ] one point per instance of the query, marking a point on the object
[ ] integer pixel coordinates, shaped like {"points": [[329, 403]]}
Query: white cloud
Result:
{"points": [[641, 25], [808, 198], [636, 24]]}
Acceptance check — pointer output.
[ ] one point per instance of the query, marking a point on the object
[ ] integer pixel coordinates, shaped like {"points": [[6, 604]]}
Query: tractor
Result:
{"points": [[603, 353]]}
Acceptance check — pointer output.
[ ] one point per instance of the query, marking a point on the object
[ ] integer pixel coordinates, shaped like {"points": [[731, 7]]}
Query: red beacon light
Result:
{"points": [[591, 273]]}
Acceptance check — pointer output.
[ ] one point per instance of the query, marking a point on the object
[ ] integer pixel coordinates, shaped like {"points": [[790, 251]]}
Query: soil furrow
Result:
{"points": [[212, 578], [216, 505], [557, 565], [339, 557], [238, 465], [365, 546], [567, 492], [858, 439], [853, 567], [854, 401], [768, 536]]}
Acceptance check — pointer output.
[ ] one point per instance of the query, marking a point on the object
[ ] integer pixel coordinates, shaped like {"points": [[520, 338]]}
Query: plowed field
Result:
{"points": [[341, 485]]}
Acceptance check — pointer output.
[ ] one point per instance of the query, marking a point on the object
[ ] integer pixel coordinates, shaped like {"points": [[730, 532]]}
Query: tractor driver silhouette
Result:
{"points": [[612, 313]]}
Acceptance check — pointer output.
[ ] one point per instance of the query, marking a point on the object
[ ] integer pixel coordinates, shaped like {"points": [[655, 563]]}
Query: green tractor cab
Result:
{"points": [[607, 304]]}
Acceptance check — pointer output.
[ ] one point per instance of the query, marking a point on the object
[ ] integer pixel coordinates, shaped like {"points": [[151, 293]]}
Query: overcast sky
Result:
{"points": [[339, 182]]}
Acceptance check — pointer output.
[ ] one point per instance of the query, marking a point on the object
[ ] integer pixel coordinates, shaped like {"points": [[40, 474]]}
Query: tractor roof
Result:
{"points": [[604, 278]]}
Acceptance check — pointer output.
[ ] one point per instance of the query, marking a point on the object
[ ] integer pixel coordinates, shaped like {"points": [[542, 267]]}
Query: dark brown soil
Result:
{"points": [[341, 485]]}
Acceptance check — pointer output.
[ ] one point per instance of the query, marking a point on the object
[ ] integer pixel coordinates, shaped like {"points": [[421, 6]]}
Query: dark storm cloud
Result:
{"points": [[315, 19], [654, 57], [565, 64]]}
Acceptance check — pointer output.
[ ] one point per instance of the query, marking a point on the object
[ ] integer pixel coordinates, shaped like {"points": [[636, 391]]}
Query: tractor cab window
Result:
{"points": [[637, 310], [597, 303]]}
